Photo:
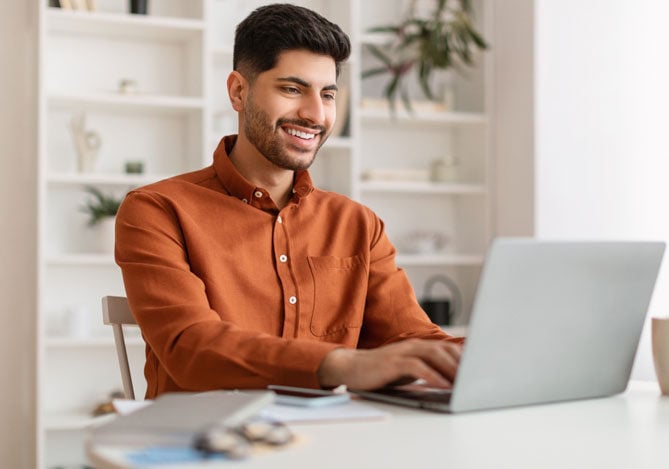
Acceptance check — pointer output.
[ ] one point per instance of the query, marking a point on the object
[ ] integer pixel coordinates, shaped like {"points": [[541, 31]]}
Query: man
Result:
{"points": [[243, 274]]}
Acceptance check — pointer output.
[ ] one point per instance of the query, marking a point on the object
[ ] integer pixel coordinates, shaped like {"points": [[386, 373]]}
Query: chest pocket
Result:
{"points": [[340, 291]]}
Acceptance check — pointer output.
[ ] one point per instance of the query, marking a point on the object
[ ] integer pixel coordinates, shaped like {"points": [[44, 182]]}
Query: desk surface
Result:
{"points": [[630, 430]]}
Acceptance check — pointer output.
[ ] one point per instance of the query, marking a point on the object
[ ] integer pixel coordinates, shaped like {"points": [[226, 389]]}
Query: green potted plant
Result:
{"points": [[443, 39], [102, 209], [100, 206]]}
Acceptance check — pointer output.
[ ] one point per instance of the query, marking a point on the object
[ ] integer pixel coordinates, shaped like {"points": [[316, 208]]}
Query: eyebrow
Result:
{"points": [[301, 82]]}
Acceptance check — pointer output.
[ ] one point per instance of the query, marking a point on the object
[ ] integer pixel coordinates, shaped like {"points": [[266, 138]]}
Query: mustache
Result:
{"points": [[300, 123]]}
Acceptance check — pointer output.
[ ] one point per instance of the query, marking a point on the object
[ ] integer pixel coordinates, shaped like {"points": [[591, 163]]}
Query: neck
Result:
{"points": [[262, 173]]}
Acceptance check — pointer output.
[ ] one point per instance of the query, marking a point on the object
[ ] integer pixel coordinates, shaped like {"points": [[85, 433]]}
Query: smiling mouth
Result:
{"points": [[301, 134]]}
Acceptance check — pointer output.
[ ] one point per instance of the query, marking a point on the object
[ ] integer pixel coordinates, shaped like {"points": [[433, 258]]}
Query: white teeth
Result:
{"points": [[297, 133]]}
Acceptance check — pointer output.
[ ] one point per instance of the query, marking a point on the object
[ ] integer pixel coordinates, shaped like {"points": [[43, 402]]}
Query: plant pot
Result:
{"points": [[139, 7], [103, 231]]}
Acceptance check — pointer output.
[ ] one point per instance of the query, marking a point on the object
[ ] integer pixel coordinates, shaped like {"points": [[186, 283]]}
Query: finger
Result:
{"points": [[443, 362], [440, 356], [454, 349], [419, 369], [428, 345]]}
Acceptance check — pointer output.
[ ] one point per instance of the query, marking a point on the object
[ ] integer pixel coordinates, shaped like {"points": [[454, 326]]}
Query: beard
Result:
{"points": [[264, 136]]}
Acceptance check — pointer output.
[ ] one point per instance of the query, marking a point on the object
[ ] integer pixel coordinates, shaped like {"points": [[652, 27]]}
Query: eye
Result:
{"points": [[291, 90], [329, 96]]}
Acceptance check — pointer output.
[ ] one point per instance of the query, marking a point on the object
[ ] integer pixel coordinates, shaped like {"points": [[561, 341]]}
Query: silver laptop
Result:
{"points": [[552, 321]]}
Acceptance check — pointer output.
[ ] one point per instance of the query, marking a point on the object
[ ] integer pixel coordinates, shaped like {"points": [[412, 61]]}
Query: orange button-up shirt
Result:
{"points": [[231, 292]]}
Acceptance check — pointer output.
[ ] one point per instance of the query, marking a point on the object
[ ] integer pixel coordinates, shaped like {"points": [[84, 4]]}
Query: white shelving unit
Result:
{"points": [[180, 55], [423, 118], [458, 211], [83, 58], [422, 187]]}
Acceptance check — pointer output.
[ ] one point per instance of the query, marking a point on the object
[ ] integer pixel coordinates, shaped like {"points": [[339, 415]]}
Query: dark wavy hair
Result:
{"points": [[272, 29]]}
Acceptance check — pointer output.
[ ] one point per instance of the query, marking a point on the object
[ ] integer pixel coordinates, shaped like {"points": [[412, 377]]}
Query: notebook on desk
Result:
{"points": [[177, 419], [551, 321]]}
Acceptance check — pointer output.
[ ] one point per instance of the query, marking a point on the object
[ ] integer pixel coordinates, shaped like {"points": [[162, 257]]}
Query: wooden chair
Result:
{"points": [[116, 313]]}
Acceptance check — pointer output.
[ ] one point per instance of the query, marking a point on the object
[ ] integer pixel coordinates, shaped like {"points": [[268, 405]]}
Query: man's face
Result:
{"points": [[290, 109]]}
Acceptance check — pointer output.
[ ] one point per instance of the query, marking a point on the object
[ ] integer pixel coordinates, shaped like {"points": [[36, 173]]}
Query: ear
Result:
{"points": [[237, 90]]}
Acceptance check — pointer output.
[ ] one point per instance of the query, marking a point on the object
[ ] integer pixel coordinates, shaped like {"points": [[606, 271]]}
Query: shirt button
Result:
{"points": [[258, 194], [292, 300], [283, 258], [245, 201], [279, 219]]}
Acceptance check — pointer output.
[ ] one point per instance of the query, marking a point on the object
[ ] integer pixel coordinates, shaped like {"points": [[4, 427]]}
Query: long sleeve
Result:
{"points": [[392, 312]]}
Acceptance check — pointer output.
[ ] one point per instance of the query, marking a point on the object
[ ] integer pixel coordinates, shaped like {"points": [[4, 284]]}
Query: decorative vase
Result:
{"points": [[139, 7], [444, 169], [86, 143], [104, 235]]}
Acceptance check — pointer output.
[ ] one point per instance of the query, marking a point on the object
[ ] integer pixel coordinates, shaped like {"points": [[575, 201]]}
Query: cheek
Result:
{"points": [[277, 109]]}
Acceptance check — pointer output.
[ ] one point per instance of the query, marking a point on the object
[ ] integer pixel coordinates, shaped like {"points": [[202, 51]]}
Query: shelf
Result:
{"points": [[118, 102], [438, 259], [91, 342], [124, 25], [70, 421], [81, 260], [385, 116], [89, 179], [422, 187]]}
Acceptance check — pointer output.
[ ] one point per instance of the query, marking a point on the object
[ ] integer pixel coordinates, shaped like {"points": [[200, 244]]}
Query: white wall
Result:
{"points": [[602, 153], [513, 122], [17, 233]]}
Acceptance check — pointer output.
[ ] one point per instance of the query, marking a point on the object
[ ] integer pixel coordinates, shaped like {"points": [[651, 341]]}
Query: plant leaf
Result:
{"points": [[375, 71], [379, 54], [404, 93], [424, 72], [445, 38], [100, 206], [384, 29]]}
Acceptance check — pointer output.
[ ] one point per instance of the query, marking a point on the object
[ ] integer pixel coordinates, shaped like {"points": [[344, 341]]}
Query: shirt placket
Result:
{"points": [[286, 275]]}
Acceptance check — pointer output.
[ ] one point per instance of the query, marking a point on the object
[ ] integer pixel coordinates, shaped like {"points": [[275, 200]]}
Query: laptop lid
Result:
{"points": [[551, 321], [555, 321]]}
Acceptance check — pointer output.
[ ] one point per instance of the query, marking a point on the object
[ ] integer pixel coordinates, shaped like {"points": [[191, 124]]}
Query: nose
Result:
{"points": [[312, 109]]}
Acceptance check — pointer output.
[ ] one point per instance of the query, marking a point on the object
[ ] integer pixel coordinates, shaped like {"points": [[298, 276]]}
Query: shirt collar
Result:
{"points": [[237, 186]]}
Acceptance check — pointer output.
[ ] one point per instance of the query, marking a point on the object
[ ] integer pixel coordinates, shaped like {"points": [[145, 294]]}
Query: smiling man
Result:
{"points": [[243, 274]]}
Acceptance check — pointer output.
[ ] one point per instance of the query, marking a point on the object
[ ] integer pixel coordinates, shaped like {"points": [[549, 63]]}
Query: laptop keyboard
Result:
{"points": [[441, 396]]}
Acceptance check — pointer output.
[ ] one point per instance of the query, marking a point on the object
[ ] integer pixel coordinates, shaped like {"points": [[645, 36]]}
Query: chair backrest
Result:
{"points": [[116, 312]]}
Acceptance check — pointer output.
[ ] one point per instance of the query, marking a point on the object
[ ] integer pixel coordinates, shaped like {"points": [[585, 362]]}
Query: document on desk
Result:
{"points": [[176, 419], [349, 411]]}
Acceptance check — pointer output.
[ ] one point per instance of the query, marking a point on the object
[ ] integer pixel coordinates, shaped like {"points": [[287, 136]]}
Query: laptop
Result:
{"points": [[552, 321]]}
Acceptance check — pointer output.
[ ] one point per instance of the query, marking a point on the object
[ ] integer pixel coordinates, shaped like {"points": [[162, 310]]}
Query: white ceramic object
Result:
{"points": [[104, 235]]}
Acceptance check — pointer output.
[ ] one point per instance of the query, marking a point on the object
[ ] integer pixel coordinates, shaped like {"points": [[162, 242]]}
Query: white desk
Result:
{"points": [[630, 430]]}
